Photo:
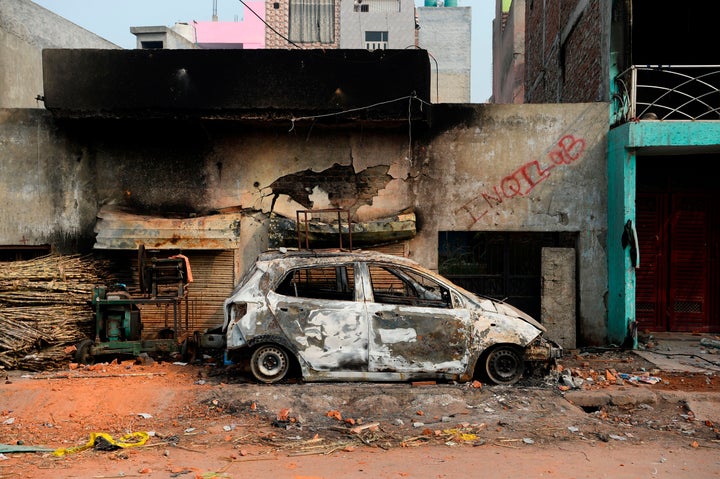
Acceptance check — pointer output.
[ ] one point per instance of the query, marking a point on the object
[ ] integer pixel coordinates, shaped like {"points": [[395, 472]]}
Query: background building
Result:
{"points": [[508, 39], [444, 31], [247, 33], [25, 29], [663, 132]]}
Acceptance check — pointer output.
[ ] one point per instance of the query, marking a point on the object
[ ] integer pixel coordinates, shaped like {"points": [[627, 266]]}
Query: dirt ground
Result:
{"points": [[199, 421]]}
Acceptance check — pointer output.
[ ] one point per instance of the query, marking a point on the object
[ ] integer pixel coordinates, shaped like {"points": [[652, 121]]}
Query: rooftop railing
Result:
{"points": [[668, 92]]}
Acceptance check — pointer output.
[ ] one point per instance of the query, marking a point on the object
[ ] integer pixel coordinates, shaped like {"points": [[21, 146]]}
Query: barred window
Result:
{"points": [[376, 40], [377, 6], [312, 21]]}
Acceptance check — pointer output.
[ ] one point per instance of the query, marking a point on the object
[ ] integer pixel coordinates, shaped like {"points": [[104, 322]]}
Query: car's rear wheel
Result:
{"points": [[504, 364], [269, 363]]}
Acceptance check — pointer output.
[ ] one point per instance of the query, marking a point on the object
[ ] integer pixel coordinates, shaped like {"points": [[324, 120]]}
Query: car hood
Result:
{"points": [[508, 310]]}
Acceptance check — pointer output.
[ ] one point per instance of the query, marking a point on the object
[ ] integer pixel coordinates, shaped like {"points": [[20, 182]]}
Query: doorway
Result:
{"points": [[505, 266], [678, 228]]}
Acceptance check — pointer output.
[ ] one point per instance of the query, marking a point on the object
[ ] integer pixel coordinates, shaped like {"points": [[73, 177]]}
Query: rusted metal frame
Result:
{"points": [[306, 222]]}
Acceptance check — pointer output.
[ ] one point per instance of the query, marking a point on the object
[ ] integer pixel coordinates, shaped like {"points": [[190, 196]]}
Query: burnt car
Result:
{"points": [[368, 316]]}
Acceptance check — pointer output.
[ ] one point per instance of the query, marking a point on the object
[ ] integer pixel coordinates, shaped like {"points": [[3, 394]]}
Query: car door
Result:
{"points": [[317, 311], [413, 325]]}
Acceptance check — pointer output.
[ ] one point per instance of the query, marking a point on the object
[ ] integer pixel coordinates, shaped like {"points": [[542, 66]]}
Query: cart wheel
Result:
{"points": [[189, 350], [82, 353], [141, 268]]}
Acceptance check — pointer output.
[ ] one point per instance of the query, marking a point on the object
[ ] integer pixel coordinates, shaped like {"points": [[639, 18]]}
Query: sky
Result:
{"points": [[112, 19]]}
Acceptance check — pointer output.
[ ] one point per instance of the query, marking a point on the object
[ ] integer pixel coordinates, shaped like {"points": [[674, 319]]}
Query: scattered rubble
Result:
{"points": [[200, 407]]}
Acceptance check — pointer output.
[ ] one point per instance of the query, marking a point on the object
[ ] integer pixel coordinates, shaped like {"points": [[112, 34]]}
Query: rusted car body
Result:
{"points": [[367, 316]]}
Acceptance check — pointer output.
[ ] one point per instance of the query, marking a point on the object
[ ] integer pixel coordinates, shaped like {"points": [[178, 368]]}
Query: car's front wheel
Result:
{"points": [[269, 363], [504, 364]]}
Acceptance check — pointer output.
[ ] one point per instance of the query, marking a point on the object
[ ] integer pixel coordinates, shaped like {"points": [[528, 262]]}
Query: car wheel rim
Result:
{"points": [[270, 364], [504, 366]]}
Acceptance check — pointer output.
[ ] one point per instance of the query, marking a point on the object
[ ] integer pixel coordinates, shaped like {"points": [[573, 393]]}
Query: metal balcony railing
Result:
{"points": [[668, 92]]}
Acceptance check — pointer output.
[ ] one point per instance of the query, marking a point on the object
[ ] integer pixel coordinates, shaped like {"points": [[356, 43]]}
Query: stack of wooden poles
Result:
{"points": [[46, 309]]}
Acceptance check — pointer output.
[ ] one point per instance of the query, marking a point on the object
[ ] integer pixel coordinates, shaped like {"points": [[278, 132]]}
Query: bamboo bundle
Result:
{"points": [[53, 267], [45, 306], [52, 357]]}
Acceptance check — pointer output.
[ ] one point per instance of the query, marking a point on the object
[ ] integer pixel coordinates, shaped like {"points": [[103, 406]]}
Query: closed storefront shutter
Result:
{"points": [[212, 273], [213, 281]]}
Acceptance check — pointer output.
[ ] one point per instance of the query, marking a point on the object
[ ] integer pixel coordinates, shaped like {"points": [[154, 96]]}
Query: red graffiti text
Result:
{"points": [[523, 180]]}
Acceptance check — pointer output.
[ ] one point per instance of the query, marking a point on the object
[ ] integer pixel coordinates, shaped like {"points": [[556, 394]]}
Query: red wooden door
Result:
{"points": [[688, 273], [677, 278], [651, 274]]}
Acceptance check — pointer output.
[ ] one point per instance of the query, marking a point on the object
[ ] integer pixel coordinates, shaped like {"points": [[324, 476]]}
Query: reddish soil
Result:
{"points": [[204, 422]]}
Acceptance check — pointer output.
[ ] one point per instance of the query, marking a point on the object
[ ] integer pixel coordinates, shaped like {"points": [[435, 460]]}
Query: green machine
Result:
{"points": [[118, 321]]}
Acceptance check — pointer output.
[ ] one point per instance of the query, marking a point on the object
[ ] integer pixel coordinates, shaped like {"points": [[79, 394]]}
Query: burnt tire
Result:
{"points": [[504, 364], [82, 352], [269, 363]]}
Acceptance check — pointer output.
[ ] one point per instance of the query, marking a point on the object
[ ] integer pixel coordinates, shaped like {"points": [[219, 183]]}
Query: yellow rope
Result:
{"points": [[128, 440]]}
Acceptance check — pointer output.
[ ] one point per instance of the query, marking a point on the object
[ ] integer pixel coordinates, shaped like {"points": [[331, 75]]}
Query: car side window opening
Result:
{"points": [[403, 286], [319, 282]]}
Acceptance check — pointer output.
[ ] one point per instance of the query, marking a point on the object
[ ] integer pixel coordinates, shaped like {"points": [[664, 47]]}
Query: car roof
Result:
{"points": [[307, 256], [280, 260]]}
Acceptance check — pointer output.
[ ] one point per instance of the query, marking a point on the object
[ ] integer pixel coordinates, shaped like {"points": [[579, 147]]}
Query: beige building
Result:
{"points": [[25, 29]]}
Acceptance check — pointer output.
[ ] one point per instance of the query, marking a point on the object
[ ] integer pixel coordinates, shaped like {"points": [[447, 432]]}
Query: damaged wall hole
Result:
{"points": [[341, 183]]}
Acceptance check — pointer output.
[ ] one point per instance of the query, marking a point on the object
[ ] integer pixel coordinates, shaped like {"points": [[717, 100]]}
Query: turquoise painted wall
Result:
{"points": [[625, 143], [621, 207]]}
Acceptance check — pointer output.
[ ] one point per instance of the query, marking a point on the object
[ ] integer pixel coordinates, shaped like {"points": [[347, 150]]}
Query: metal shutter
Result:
{"points": [[213, 281]]}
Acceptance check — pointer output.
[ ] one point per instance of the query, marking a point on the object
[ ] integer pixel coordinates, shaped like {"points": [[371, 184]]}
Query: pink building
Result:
{"points": [[246, 34]]}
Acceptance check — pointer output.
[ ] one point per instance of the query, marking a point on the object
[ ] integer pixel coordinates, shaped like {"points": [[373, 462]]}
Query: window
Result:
{"points": [[376, 40], [361, 7], [153, 45], [312, 21], [22, 252], [377, 6], [328, 282], [403, 286]]}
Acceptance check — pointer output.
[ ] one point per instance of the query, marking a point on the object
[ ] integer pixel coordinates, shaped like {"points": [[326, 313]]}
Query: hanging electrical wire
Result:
{"points": [[367, 107]]}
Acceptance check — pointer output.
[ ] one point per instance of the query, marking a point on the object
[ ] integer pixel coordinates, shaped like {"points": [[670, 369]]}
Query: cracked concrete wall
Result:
{"points": [[522, 168], [47, 184], [360, 171], [476, 168]]}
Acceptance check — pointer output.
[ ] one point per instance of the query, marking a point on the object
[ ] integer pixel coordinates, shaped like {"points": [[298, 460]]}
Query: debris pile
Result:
{"points": [[45, 306]]}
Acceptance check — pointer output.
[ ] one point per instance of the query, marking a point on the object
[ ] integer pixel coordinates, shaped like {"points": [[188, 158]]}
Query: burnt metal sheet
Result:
{"points": [[291, 83], [428, 340], [117, 229], [330, 335], [322, 234]]}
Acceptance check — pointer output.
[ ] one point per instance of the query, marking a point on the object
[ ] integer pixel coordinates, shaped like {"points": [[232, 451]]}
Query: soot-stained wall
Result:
{"points": [[172, 83], [477, 168]]}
